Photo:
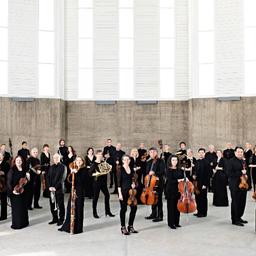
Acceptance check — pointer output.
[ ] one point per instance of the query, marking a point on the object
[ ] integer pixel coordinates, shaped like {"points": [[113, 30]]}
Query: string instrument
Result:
{"points": [[19, 188], [243, 180], [132, 200], [186, 203], [149, 196], [2, 182], [72, 197]]}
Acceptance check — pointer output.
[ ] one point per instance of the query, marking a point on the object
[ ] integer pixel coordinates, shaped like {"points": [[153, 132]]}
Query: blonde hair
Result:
{"points": [[134, 151]]}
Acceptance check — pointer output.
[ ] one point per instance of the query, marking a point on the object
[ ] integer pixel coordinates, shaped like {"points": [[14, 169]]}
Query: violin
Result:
{"points": [[19, 188], [132, 200], [149, 196], [243, 180], [186, 203]]}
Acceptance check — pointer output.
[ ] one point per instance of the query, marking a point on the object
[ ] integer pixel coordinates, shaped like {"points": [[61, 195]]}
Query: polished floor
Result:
{"points": [[213, 235]]}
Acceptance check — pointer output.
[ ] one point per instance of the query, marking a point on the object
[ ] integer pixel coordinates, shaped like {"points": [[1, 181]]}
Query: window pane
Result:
{"points": [[167, 53], [250, 44], [126, 84], [206, 80], [46, 15], [249, 12], [250, 77], [167, 83], [3, 77], [46, 80], [167, 23], [167, 3], [3, 43], [86, 23], [85, 84], [206, 14], [126, 53], [4, 13], [46, 47], [86, 53], [126, 3], [85, 3], [206, 47], [126, 23]]}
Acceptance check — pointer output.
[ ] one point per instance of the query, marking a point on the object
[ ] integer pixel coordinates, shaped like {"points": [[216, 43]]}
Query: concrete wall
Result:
{"points": [[199, 122]]}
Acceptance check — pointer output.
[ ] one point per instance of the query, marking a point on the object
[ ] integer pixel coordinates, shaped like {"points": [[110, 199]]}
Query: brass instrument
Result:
{"points": [[104, 169]]}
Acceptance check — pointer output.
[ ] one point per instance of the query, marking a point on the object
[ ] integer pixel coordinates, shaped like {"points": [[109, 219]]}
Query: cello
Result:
{"points": [[186, 203]]}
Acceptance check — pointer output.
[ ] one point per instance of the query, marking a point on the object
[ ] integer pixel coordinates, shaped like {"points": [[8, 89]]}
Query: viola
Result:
{"points": [[19, 188], [132, 200], [243, 180]]}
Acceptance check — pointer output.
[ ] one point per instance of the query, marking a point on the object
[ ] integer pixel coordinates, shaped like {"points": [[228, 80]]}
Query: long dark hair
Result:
{"points": [[73, 151], [90, 148], [169, 161], [14, 160]]}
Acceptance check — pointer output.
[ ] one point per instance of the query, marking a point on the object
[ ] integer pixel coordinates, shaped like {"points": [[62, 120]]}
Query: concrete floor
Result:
{"points": [[213, 235]]}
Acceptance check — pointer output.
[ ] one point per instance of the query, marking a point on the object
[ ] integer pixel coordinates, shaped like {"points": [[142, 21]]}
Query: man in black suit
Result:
{"points": [[237, 168]]}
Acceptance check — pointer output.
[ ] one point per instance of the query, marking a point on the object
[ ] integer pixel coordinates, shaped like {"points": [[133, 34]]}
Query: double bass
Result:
{"points": [[186, 203]]}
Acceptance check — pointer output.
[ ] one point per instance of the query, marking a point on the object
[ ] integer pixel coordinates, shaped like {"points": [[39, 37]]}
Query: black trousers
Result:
{"points": [[34, 191], [202, 202], [173, 217], [157, 209], [123, 210], [237, 204], [100, 185], [113, 178], [3, 199], [254, 178], [58, 214]]}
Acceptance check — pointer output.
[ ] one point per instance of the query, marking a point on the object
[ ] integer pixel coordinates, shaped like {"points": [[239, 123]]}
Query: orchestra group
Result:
{"points": [[182, 178]]}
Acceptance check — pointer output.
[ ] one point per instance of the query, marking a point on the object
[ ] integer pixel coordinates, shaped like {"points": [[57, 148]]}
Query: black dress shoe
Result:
{"points": [[30, 208], [132, 230], [243, 221], [124, 231], [3, 218], [96, 216], [196, 214], [238, 224], [200, 215], [172, 227], [38, 207], [110, 214], [53, 222], [157, 219], [150, 217], [178, 226], [59, 223], [114, 192]]}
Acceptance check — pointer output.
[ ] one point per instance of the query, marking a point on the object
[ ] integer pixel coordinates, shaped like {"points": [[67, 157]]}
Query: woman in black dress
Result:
{"points": [[173, 175], [80, 180], [125, 181], [70, 158], [220, 182], [45, 160], [18, 200], [89, 160], [252, 166]]}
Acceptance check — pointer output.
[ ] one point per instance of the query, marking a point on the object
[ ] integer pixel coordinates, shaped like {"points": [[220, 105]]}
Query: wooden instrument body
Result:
{"points": [[132, 200], [149, 196], [243, 183], [19, 188]]}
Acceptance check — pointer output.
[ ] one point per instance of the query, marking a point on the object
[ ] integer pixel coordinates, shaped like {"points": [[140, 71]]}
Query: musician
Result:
{"points": [[34, 186], [211, 157], [220, 182], [70, 158], [143, 157], [18, 200], [79, 184], [126, 179], [108, 153], [7, 155], [89, 160], [135, 165], [252, 165], [142, 150], [156, 166], [247, 155], [237, 168], [166, 154], [173, 175], [24, 151], [190, 167], [228, 153], [182, 154], [55, 184], [100, 184], [118, 154], [45, 159], [4, 169], [63, 152], [202, 178]]}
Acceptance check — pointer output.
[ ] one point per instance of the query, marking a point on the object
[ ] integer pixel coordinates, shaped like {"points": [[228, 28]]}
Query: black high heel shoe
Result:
{"points": [[95, 215], [132, 230], [110, 214], [124, 231]]}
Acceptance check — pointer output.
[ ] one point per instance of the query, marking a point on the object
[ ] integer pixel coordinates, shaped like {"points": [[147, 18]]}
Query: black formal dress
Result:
{"points": [[190, 172], [111, 151], [125, 181], [4, 167], [238, 196], [247, 155], [80, 180], [18, 202], [45, 162], [89, 179], [253, 171], [220, 182], [69, 160], [118, 154], [173, 195], [63, 151], [211, 157]]}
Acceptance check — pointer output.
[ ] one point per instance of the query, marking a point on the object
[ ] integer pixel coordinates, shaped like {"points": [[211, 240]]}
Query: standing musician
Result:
{"points": [[166, 154], [75, 208], [143, 157], [99, 171], [34, 186], [6, 155], [202, 178], [45, 159], [190, 167], [156, 166], [70, 159], [126, 182], [237, 170], [17, 190], [247, 156], [182, 154], [24, 151], [4, 169], [63, 152], [55, 184], [252, 165]]}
